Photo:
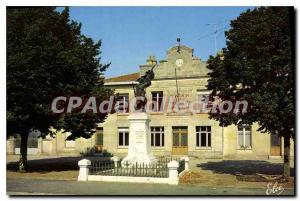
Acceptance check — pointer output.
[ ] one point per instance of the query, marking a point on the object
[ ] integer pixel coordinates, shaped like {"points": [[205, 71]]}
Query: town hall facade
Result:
{"points": [[184, 76]]}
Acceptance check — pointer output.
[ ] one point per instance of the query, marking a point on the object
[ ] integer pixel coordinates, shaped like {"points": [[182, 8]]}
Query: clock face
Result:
{"points": [[179, 62]]}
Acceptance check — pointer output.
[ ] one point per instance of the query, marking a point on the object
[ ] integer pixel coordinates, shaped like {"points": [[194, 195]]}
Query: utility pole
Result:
{"points": [[178, 50], [176, 85]]}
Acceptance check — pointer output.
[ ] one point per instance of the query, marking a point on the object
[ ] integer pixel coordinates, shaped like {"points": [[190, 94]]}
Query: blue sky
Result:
{"points": [[130, 34]]}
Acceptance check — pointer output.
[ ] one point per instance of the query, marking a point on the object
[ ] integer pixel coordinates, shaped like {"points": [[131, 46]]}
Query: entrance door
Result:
{"points": [[180, 141], [275, 145]]}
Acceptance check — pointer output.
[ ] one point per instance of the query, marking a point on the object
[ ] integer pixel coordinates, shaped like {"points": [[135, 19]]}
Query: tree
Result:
{"points": [[48, 56], [257, 66]]}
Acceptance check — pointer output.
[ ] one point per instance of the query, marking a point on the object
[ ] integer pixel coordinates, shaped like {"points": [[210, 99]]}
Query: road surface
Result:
{"points": [[56, 187]]}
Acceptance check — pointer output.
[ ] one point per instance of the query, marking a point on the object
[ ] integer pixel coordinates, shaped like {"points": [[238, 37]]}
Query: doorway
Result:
{"points": [[180, 140], [275, 145]]}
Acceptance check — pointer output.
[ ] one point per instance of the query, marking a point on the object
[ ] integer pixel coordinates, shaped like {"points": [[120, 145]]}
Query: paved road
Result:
{"points": [[46, 187]]}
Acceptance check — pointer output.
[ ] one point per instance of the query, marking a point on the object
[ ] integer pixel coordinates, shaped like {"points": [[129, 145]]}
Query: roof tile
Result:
{"points": [[123, 78]]}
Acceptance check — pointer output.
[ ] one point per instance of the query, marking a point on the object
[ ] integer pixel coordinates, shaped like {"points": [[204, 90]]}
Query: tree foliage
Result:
{"points": [[257, 66], [48, 56]]}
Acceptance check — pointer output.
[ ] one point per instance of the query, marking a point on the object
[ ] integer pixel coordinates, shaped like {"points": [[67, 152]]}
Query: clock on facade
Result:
{"points": [[179, 62]]}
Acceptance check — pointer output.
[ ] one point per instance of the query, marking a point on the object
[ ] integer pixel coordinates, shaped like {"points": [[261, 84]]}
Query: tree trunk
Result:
{"points": [[23, 153], [286, 158]]}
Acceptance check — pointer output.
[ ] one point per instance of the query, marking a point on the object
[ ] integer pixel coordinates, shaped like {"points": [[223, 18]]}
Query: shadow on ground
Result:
{"points": [[244, 167], [52, 164]]}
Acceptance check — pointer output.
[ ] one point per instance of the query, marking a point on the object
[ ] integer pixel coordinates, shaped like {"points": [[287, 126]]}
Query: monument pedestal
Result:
{"points": [[139, 141]]}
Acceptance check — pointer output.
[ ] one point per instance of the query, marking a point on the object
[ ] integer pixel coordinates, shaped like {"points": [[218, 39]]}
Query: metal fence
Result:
{"points": [[166, 159], [158, 169], [136, 170]]}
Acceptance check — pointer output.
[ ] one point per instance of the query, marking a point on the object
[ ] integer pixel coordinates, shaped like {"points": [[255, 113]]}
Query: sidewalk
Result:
{"points": [[55, 187]]}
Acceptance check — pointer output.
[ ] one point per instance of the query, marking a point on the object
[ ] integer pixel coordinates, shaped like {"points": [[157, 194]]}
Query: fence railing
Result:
{"points": [[165, 170], [109, 168], [166, 159]]}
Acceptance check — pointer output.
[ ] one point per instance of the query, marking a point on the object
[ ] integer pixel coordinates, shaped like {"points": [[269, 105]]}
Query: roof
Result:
{"points": [[175, 48], [123, 78]]}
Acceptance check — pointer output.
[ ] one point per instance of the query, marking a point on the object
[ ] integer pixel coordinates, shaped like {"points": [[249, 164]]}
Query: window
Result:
{"points": [[244, 136], [157, 101], [123, 137], [99, 136], [203, 99], [157, 137], [123, 103], [203, 135]]}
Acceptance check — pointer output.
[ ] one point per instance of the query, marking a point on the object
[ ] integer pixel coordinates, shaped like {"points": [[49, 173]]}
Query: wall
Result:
{"points": [[188, 89], [261, 144]]}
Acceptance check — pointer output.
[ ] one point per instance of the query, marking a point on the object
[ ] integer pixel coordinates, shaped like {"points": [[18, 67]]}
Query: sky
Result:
{"points": [[130, 34]]}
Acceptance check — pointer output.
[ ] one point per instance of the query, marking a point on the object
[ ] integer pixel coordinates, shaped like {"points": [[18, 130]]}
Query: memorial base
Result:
{"points": [[139, 151]]}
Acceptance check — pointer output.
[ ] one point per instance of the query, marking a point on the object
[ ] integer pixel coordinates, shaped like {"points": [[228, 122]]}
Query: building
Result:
{"points": [[184, 76]]}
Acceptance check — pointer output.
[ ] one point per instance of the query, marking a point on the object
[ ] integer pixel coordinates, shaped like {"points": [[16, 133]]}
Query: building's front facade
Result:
{"points": [[183, 76], [188, 133]]}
